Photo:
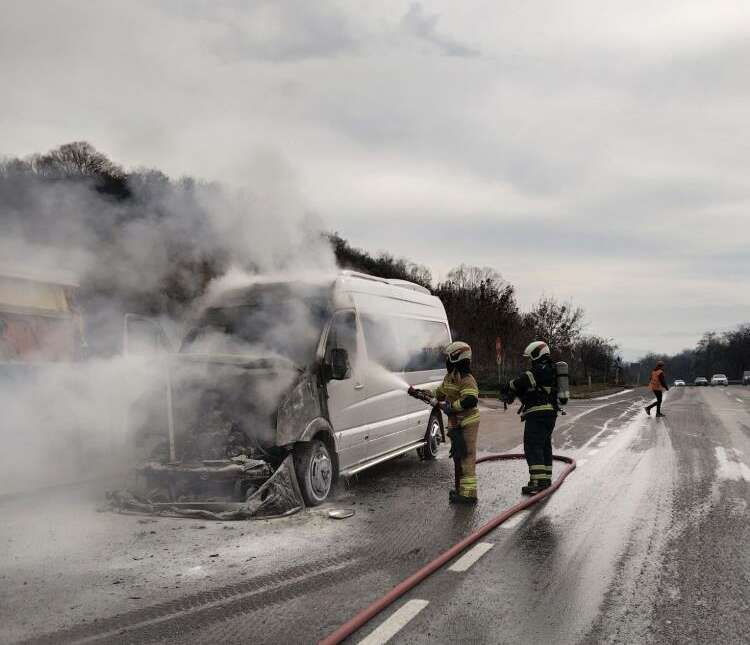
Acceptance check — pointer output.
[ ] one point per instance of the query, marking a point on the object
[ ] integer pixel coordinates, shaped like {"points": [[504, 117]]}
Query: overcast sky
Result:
{"points": [[592, 150]]}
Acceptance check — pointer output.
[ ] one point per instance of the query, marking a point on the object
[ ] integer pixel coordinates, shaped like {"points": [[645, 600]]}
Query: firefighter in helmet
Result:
{"points": [[458, 397], [537, 390]]}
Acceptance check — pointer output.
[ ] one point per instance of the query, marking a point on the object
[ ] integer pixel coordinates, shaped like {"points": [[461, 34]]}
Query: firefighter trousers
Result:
{"points": [[465, 466], [537, 446]]}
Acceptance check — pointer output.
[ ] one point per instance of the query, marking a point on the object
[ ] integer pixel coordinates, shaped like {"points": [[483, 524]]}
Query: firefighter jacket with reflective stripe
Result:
{"points": [[537, 389], [463, 393], [658, 383]]}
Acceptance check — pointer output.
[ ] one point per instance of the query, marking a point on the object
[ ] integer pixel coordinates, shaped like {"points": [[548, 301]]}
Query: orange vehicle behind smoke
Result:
{"points": [[39, 321]]}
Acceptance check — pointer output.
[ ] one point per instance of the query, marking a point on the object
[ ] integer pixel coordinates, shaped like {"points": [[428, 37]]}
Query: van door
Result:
{"points": [[424, 343], [385, 387], [345, 396]]}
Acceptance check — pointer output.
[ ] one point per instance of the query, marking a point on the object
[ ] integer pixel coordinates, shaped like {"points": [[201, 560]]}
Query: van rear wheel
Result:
{"points": [[315, 471], [433, 437]]}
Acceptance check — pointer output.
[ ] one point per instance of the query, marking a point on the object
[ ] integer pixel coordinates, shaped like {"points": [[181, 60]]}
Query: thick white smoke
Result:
{"points": [[69, 421], [65, 423]]}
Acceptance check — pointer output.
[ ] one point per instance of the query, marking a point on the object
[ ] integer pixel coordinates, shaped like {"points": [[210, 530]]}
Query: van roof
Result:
{"points": [[404, 284], [369, 291], [346, 281]]}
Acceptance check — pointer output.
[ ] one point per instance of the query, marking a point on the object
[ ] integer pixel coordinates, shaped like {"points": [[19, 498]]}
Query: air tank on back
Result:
{"points": [[563, 383]]}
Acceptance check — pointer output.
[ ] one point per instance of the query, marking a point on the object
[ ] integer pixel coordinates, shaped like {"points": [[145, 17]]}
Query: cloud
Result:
{"points": [[422, 25], [280, 31], [593, 151]]}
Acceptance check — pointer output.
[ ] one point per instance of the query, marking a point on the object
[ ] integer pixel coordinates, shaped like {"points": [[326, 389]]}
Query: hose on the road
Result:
{"points": [[358, 621]]}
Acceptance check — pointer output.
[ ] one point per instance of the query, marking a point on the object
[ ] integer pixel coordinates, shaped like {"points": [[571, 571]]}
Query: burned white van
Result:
{"points": [[279, 388]]}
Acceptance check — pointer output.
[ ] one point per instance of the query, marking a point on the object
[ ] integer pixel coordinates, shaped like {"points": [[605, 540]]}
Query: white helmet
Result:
{"points": [[536, 350], [458, 351]]}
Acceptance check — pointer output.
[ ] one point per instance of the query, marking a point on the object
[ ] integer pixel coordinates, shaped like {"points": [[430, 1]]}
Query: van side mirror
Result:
{"points": [[339, 367]]}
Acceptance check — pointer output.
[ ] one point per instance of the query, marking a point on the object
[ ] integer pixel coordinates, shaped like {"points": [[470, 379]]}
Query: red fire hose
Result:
{"points": [[358, 621]]}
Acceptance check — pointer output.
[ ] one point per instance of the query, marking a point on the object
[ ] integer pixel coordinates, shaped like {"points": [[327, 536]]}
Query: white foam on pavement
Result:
{"points": [[608, 396], [637, 405], [730, 469]]}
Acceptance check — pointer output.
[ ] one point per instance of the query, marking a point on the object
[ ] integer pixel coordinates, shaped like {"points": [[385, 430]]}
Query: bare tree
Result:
{"points": [[471, 277], [76, 159], [481, 307], [597, 356], [558, 324]]}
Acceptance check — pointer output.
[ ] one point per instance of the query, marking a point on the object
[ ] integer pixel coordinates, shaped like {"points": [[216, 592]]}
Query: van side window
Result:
{"points": [[343, 335], [382, 343], [405, 344], [424, 342]]}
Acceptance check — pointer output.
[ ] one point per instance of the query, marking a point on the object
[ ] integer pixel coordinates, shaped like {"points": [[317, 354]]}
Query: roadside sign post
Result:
{"points": [[499, 360]]}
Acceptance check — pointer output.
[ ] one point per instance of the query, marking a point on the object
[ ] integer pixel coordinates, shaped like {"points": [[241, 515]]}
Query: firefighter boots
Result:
{"points": [[456, 498], [535, 486]]}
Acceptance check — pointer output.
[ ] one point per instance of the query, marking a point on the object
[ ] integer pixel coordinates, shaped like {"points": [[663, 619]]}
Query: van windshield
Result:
{"points": [[264, 321]]}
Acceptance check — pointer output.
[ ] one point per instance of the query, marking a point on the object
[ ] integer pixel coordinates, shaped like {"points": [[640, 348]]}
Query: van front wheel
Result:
{"points": [[314, 468]]}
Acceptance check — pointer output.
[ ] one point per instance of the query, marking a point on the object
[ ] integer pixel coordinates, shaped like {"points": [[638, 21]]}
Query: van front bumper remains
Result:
{"points": [[237, 489]]}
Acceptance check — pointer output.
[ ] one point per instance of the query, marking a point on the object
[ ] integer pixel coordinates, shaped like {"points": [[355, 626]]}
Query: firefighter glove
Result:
{"points": [[506, 394]]}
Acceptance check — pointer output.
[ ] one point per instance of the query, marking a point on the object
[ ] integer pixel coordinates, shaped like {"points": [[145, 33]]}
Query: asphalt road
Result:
{"points": [[647, 541]]}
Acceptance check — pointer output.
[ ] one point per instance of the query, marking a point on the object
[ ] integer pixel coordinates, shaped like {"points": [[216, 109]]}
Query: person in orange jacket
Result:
{"points": [[658, 385]]}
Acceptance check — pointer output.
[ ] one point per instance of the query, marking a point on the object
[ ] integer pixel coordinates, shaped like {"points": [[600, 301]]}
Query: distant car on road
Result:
{"points": [[719, 379], [679, 383], [746, 378], [701, 380]]}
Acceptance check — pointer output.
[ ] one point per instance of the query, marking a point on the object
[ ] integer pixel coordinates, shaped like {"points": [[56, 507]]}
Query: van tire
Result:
{"points": [[433, 437], [315, 471]]}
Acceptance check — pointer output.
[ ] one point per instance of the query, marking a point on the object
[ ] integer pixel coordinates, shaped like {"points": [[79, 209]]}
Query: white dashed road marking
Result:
{"points": [[471, 556], [514, 521], [395, 623], [739, 399]]}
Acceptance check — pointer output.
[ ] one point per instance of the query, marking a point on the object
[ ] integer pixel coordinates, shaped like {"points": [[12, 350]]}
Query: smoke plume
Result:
{"points": [[134, 242]]}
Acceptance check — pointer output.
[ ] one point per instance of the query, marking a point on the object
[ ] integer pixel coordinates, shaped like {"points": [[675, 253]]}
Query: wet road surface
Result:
{"points": [[647, 541]]}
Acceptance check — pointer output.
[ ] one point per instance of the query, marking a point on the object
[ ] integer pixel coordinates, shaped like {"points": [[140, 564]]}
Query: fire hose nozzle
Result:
{"points": [[422, 395]]}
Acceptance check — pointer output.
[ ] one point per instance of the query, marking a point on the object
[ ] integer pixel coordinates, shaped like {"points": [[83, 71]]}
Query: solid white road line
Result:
{"points": [[395, 623], [471, 556]]}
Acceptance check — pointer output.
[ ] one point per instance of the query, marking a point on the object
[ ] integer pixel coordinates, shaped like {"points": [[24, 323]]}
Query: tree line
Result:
{"points": [[482, 307], [148, 248], [715, 353]]}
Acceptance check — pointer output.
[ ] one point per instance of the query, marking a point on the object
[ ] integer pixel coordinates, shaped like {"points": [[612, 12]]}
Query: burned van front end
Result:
{"points": [[220, 436]]}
